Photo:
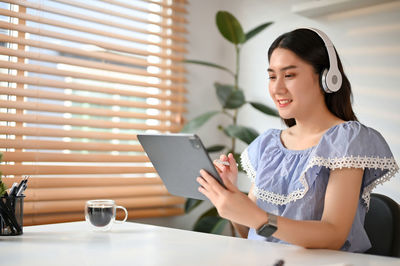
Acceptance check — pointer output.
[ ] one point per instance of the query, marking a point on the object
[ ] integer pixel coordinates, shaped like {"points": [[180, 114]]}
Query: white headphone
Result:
{"points": [[331, 79]]}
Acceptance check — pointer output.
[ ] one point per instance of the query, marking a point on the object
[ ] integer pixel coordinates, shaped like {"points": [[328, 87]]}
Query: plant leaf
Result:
{"points": [[219, 226], [235, 100], [215, 148], [3, 189], [210, 224], [230, 27], [257, 30], [223, 92], [198, 121], [265, 109], [191, 204], [228, 96], [245, 134], [204, 63], [210, 212]]}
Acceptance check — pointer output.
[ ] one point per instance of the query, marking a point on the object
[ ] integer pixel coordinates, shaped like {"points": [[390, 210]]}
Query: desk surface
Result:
{"points": [[140, 244]]}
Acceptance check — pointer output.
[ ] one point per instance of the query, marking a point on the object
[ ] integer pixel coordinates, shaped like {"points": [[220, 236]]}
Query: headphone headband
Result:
{"points": [[331, 78]]}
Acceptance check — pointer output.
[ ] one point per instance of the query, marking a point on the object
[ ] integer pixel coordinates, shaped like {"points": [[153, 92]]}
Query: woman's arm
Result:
{"points": [[243, 230], [231, 172], [340, 206], [341, 201]]}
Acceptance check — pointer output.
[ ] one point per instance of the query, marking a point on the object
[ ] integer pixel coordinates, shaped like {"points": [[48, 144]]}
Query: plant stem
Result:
{"points": [[236, 85], [227, 114], [237, 48]]}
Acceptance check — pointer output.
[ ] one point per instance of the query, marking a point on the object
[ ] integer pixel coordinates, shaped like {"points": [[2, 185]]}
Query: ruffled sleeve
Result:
{"points": [[250, 157], [353, 145]]}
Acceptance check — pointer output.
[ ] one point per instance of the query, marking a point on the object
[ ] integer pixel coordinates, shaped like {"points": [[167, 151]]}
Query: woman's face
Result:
{"points": [[294, 85]]}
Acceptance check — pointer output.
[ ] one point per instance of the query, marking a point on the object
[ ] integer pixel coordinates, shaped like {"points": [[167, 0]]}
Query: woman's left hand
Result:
{"points": [[230, 202]]}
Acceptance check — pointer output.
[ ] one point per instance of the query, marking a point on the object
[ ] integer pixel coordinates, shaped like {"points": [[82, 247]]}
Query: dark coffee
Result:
{"points": [[100, 216]]}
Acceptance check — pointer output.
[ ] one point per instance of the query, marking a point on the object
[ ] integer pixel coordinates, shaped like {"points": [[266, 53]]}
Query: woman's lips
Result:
{"points": [[284, 102]]}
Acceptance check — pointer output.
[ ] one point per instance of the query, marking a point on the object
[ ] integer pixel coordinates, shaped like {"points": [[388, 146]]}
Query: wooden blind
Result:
{"points": [[78, 81]]}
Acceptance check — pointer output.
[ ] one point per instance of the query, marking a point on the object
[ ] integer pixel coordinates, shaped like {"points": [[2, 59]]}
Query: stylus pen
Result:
{"points": [[223, 162]]}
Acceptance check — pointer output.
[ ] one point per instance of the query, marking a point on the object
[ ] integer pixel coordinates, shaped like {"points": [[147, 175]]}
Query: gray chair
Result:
{"points": [[382, 223]]}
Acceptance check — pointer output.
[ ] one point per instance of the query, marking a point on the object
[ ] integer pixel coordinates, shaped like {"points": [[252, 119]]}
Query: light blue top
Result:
{"points": [[292, 183]]}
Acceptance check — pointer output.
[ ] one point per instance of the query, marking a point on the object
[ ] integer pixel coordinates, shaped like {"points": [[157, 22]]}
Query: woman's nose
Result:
{"points": [[278, 86]]}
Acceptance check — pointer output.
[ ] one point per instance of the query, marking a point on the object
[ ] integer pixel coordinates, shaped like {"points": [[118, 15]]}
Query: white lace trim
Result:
{"points": [[355, 162], [279, 199], [246, 165], [361, 162], [331, 163]]}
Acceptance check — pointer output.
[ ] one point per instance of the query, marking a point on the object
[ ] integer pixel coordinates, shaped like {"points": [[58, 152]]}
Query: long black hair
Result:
{"points": [[309, 46]]}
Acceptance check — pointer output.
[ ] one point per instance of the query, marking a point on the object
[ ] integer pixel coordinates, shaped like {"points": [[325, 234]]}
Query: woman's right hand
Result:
{"points": [[231, 171]]}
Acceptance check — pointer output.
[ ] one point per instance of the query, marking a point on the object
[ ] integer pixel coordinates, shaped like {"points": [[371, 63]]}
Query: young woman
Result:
{"points": [[311, 181]]}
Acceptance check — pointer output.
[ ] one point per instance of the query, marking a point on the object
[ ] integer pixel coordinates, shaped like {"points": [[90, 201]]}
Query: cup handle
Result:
{"points": [[126, 214]]}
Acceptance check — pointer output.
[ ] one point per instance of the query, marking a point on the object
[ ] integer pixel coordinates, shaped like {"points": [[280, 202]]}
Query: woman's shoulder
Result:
{"points": [[354, 145], [352, 133], [352, 139], [271, 133]]}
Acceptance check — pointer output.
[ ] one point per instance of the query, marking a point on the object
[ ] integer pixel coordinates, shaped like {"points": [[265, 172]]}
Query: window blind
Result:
{"points": [[78, 81]]}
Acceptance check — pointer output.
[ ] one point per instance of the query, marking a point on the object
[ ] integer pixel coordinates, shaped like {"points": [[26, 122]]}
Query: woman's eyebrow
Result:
{"points": [[283, 68]]}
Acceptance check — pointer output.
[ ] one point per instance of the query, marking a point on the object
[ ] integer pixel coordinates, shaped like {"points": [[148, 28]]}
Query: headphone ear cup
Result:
{"points": [[322, 80]]}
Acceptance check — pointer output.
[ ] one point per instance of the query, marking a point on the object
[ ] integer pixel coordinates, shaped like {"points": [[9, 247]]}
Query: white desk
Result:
{"points": [[139, 244]]}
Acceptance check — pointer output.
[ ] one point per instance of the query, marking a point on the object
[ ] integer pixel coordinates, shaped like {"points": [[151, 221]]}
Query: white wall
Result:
{"points": [[367, 40]]}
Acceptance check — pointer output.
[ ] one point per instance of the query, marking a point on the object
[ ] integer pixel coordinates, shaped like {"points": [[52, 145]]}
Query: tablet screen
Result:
{"points": [[178, 159]]}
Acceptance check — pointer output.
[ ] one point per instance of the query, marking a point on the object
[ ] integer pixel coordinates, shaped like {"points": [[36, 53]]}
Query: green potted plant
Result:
{"points": [[3, 187], [232, 99]]}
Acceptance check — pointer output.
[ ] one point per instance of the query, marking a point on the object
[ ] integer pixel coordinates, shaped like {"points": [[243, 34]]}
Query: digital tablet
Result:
{"points": [[178, 159]]}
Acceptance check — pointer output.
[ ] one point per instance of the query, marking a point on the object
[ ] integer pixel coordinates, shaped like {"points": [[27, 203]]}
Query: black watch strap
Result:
{"points": [[270, 227]]}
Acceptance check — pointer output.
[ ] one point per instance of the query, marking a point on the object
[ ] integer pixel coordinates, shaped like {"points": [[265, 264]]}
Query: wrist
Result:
{"points": [[262, 218], [270, 227]]}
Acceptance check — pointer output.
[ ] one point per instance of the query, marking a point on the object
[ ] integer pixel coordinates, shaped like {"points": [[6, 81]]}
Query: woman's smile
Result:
{"points": [[284, 102]]}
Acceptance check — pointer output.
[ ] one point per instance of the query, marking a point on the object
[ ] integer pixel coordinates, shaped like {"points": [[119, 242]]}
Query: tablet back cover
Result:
{"points": [[178, 159]]}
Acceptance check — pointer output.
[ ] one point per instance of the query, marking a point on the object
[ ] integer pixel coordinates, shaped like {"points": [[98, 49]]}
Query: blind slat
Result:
{"points": [[97, 77], [72, 170], [66, 85], [34, 106], [72, 38], [47, 132], [45, 194], [60, 182], [107, 56], [61, 157], [174, 17], [79, 205], [60, 145], [64, 12], [84, 99], [79, 216], [81, 28], [57, 120], [85, 63], [176, 6], [174, 27]]}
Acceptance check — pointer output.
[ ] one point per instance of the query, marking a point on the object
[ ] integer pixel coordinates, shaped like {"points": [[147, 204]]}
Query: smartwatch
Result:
{"points": [[270, 227]]}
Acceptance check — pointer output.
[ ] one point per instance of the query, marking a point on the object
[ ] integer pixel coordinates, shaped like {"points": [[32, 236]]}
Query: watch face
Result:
{"points": [[266, 230]]}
